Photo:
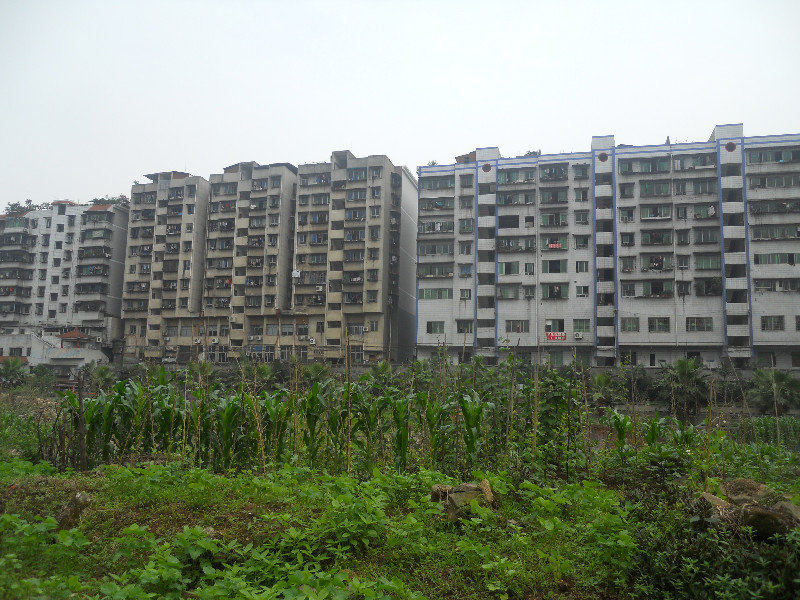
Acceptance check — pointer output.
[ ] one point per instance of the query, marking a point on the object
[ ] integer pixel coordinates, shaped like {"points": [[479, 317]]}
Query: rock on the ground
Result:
{"points": [[758, 506], [69, 516], [764, 521], [460, 497], [440, 491]]}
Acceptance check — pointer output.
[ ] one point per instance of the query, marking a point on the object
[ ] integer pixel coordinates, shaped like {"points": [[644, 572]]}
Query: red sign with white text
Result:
{"points": [[556, 335]]}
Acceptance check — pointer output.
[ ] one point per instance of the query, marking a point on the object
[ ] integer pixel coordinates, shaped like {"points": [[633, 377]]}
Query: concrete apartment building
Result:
{"points": [[354, 260], [254, 262], [645, 253], [162, 293], [61, 270]]}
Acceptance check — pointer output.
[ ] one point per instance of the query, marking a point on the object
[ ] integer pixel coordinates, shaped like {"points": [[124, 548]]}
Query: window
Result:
{"points": [[706, 235], [508, 268], [626, 190], [554, 325], [580, 325], [465, 270], [582, 217], [466, 202], [657, 211], [518, 326], [529, 291], [581, 242], [555, 358], [465, 294], [465, 225], [629, 324], [654, 188], [699, 324], [627, 239], [436, 294], [372, 295], [707, 261], [554, 266], [466, 180], [658, 324], [435, 327], [772, 323], [627, 263], [530, 268], [465, 247], [582, 195], [706, 186], [436, 183], [582, 291], [582, 266], [628, 289], [555, 291], [464, 326], [680, 189]]}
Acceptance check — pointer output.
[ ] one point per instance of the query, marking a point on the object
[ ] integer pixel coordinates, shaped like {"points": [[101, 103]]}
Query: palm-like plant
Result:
{"points": [[775, 389], [603, 392], [12, 372], [687, 383]]}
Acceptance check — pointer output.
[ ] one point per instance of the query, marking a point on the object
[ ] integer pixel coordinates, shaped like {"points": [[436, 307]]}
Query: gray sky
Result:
{"points": [[95, 94]]}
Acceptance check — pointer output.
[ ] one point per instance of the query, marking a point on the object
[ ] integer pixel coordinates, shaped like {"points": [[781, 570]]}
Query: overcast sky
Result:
{"points": [[95, 94]]}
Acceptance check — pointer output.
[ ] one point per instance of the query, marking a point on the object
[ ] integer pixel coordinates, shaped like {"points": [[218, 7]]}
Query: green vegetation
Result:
{"points": [[291, 483]]}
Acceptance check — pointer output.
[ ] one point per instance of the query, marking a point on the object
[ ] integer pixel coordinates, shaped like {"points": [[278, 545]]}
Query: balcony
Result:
{"points": [[16, 258], [733, 231]]}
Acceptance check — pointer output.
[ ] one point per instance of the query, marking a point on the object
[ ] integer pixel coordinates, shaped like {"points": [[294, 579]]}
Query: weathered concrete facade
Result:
{"points": [[61, 269]]}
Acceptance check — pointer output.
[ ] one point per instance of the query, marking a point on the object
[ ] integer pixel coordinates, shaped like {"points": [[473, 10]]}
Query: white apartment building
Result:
{"points": [[61, 270], [641, 253]]}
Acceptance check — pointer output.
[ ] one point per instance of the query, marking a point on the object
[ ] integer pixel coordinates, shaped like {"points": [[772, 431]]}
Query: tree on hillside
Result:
{"points": [[774, 389], [686, 383], [12, 372]]}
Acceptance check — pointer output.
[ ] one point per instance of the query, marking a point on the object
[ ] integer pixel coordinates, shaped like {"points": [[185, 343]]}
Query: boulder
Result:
{"points": [[709, 505], [70, 514], [764, 521], [743, 491], [440, 491], [789, 511], [460, 497], [758, 506]]}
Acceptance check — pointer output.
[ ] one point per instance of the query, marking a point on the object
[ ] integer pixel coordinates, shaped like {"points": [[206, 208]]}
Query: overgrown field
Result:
{"points": [[311, 486]]}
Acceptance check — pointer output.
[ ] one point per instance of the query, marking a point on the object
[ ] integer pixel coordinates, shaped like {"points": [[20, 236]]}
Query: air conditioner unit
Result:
{"points": [[644, 269], [253, 206], [197, 341], [312, 341], [683, 266], [215, 340], [302, 338], [250, 338], [578, 335], [98, 339], [166, 338], [320, 288], [365, 329], [258, 338]]}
